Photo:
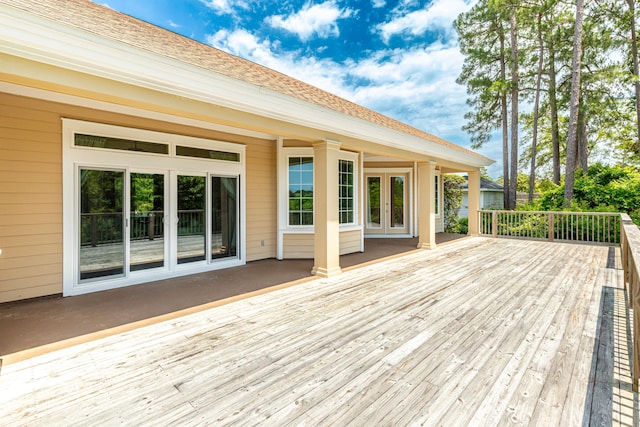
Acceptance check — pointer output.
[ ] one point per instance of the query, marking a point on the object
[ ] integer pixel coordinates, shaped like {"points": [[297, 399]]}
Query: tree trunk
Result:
{"points": [[505, 127], [581, 160], [553, 106], [636, 71], [513, 175], [536, 112], [572, 139]]}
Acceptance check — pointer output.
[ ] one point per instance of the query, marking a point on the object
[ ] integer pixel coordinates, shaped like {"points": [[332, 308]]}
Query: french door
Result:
{"points": [[387, 201], [131, 221]]}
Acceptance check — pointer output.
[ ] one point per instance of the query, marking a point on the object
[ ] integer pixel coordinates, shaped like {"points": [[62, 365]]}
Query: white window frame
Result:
{"points": [[438, 184], [77, 157]]}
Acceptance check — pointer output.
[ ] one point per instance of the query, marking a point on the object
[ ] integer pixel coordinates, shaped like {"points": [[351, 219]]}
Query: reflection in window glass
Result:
{"points": [[120, 144], [345, 192], [204, 153], [301, 191], [373, 202], [397, 201], [437, 194], [191, 218], [101, 223], [224, 218], [146, 219]]}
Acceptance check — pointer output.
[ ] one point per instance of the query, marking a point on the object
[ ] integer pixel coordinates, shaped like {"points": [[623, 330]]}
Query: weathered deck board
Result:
{"points": [[479, 332]]}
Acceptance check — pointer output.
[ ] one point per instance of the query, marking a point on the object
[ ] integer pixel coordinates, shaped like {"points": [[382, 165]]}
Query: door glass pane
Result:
{"points": [[191, 218], [147, 224], [224, 220], [373, 202], [101, 223], [397, 202]]}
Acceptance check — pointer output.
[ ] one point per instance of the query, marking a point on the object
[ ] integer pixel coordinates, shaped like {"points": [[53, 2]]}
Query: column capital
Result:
{"points": [[429, 163], [327, 144]]}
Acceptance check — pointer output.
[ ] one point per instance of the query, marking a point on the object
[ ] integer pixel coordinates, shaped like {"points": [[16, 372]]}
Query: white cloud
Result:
{"points": [[437, 15], [320, 19], [416, 86], [378, 3], [173, 24], [225, 7]]}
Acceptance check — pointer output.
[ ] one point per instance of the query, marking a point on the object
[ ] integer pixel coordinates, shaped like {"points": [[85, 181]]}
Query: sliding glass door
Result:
{"points": [[125, 228]]}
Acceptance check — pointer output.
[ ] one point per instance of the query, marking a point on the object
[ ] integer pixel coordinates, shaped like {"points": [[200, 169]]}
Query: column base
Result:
{"points": [[326, 272], [425, 245]]}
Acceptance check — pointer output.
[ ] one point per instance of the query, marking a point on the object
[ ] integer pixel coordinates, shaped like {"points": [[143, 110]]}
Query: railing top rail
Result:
{"points": [[632, 236], [554, 212]]}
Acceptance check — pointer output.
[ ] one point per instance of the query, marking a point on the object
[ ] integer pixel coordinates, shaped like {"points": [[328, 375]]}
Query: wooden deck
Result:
{"points": [[478, 332]]}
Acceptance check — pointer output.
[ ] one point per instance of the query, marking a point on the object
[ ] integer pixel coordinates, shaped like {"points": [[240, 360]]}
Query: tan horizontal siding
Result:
{"points": [[30, 200], [298, 246], [261, 200], [350, 242], [33, 290]]}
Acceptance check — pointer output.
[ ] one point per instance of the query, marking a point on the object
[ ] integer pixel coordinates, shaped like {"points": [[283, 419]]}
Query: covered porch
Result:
{"points": [[479, 331]]}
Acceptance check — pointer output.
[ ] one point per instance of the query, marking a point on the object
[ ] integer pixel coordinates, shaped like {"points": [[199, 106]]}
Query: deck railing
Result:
{"points": [[102, 228], [592, 227], [630, 253]]}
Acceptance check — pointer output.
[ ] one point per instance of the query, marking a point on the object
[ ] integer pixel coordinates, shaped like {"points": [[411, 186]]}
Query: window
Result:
{"points": [[346, 201], [437, 195], [300, 190], [204, 153], [296, 191], [120, 144]]}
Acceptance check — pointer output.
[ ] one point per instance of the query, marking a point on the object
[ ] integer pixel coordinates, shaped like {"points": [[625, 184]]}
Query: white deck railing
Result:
{"points": [[592, 227]]}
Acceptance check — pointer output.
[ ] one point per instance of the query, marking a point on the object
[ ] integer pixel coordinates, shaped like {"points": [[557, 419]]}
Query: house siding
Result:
{"points": [[31, 190], [350, 241], [300, 246], [297, 246]]}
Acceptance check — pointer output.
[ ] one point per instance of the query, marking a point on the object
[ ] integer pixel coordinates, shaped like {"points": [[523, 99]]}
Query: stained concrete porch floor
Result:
{"points": [[39, 325]]}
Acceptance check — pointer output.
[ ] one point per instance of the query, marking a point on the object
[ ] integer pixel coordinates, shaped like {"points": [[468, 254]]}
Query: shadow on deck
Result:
{"points": [[42, 321]]}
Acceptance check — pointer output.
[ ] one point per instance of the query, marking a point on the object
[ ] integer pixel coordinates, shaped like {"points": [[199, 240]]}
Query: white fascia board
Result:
{"points": [[39, 39]]}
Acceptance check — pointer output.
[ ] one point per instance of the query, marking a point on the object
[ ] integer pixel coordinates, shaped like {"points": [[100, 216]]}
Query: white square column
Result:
{"points": [[325, 207], [474, 203], [427, 205]]}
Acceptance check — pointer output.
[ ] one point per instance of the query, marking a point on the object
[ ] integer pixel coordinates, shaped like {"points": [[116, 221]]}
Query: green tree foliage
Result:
{"points": [[604, 124], [452, 195], [603, 189]]}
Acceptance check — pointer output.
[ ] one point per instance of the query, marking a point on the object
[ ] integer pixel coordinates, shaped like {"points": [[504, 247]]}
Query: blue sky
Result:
{"points": [[398, 57]]}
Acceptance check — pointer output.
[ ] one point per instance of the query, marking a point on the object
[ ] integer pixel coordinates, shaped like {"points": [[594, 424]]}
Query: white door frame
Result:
{"points": [[385, 173]]}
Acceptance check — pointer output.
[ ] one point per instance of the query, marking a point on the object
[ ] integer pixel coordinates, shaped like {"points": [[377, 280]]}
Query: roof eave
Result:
{"points": [[43, 40]]}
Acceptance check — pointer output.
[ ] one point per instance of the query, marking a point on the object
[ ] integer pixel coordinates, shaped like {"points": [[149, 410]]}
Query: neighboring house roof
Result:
{"points": [[485, 185], [107, 23]]}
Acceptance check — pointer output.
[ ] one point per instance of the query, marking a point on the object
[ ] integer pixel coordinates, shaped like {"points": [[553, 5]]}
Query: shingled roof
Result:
{"points": [[108, 23]]}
